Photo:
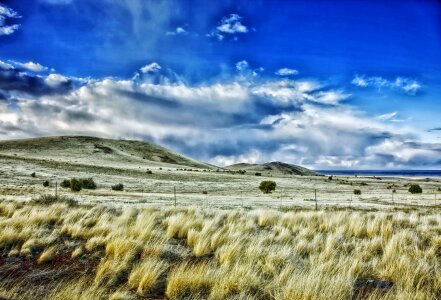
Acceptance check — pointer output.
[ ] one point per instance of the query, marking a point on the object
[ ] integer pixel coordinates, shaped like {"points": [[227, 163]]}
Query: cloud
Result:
{"points": [[151, 68], [230, 25], [5, 14], [286, 72], [31, 66], [177, 31], [5, 66], [225, 121], [406, 85]]}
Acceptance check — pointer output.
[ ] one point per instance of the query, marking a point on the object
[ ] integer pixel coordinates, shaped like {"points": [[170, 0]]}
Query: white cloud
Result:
{"points": [[6, 13], [31, 66], [222, 122], [5, 66], [231, 25], [406, 85], [56, 79], [151, 68], [286, 72], [177, 31], [242, 65]]}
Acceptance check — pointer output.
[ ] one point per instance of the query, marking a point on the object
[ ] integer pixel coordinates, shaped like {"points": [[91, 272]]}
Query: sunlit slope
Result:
{"points": [[276, 168], [97, 151]]}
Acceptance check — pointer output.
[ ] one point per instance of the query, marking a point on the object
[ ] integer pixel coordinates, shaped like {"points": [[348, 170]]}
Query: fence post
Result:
{"points": [[315, 197], [56, 190], [241, 198], [174, 193]]}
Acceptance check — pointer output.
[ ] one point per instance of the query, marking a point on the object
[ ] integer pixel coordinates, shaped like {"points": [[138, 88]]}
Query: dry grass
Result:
{"points": [[222, 254]]}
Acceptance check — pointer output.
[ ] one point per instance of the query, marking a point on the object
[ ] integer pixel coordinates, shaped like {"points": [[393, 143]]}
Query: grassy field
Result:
{"points": [[223, 239], [61, 251]]}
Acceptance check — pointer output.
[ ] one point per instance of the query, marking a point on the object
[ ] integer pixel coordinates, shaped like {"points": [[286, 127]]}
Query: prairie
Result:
{"points": [[221, 239]]}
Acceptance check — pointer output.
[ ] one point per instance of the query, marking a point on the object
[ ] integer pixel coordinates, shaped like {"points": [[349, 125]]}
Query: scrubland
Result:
{"points": [[65, 251]]}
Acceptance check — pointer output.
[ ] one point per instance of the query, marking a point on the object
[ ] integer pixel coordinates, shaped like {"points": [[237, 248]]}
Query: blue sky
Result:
{"points": [[341, 84]]}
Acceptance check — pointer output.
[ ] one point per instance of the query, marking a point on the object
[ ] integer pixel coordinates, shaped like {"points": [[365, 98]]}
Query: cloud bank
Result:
{"points": [[246, 118]]}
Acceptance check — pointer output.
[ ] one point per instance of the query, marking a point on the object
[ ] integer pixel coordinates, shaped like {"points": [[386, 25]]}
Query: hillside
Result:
{"points": [[96, 151], [273, 168]]}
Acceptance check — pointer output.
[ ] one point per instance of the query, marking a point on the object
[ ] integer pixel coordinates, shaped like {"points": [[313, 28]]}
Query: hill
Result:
{"points": [[96, 151], [277, 168]]}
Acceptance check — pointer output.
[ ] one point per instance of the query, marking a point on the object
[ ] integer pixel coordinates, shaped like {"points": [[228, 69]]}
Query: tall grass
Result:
{"points": [[222, 254]]}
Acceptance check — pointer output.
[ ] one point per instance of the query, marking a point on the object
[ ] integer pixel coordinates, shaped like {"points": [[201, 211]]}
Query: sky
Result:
{"points": [[323, 84]]}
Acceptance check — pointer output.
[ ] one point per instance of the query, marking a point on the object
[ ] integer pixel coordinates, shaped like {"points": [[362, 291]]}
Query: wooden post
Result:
{"points": [[174, 192], [392, 196], [56, 190], [315, 196], [281, 199], [241, 198]]}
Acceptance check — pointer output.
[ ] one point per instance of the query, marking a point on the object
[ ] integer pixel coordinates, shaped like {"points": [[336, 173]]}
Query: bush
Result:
{"points": [[118, 187], [76, 185], [65, 183], [50, 199], [204, 192], [357, 192], [88, 183], [415, 189], [267, 186], [46, 183], [33, 174], [149, 172], [258, 174]]}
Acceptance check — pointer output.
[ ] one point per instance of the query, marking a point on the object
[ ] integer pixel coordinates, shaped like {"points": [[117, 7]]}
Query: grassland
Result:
{"points": [[224, 239], [78, 252]]}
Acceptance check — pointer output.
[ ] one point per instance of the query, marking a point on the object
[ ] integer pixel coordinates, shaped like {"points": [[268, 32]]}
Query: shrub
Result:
{"points": [[88, 183], [357, 192], [149, 172], [267, 186], [330, 178], [258, 174], [76, 185], [65, 183], [33, 174], [439, 189], [205, 192], [118, 187], [46, 183], [415, 189]]}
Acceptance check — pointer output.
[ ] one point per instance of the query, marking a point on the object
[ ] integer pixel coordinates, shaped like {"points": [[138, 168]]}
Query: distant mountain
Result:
{"points": [[273, 168], [97, 151]]}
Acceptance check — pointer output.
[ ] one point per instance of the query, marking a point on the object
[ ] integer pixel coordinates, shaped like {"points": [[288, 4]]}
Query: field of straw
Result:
{"points": [[65, 251]]}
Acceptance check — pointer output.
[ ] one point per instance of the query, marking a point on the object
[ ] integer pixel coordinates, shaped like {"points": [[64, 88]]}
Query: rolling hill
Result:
{"points": [[96, 151], [271, 168]]}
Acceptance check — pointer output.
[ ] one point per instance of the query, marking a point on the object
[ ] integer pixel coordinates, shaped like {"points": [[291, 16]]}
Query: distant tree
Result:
{"points": [[267, 186], [415, 189], [76, 185], [88, 183], [357, 192], [65, 183]]}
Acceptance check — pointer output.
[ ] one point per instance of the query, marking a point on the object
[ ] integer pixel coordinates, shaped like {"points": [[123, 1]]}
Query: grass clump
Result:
{"points": [[357, 192], [51, 199], [267, 186], [415, 189], [118, 187]]}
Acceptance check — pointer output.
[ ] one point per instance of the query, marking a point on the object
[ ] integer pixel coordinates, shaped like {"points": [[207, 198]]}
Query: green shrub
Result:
{"points": [[76, 185], [65, 183], [46, 183], [118, 187], [88, 183], [33, 174], [258, 174], [415, 189], [50, 199], [267, 186], [357, 192], [149, 172]]}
